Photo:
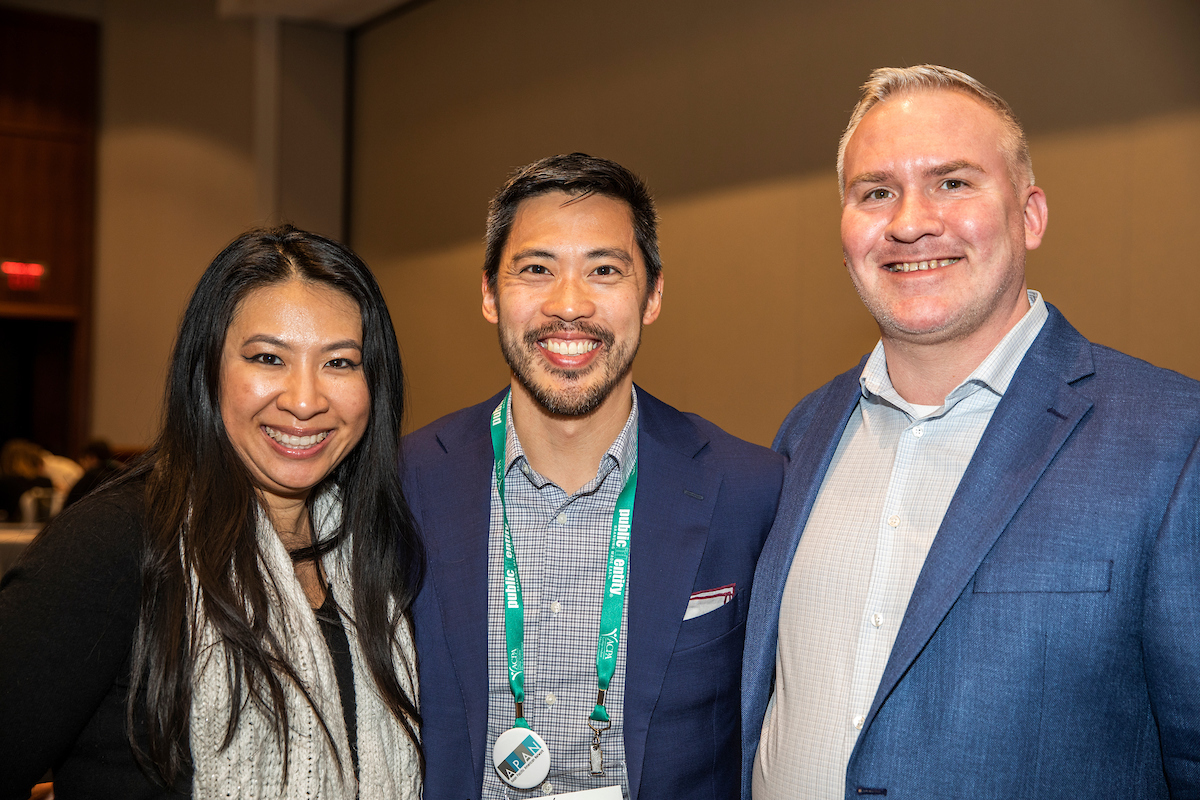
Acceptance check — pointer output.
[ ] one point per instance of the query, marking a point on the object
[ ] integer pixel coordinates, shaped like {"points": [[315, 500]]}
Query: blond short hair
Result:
{"points": [[888, 81]]}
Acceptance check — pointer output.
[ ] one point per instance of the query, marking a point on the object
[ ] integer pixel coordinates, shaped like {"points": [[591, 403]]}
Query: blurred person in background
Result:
{"points": [[231, 617], [21, 469], [63, 473], [98, 466]]}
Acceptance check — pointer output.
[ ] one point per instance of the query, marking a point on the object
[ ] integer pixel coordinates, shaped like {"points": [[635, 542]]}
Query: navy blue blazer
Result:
{"points": [[705, 501], [1050, 647]]}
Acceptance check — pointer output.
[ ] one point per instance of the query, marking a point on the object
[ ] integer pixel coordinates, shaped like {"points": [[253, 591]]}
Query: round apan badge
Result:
{"points": [[521, 758]]}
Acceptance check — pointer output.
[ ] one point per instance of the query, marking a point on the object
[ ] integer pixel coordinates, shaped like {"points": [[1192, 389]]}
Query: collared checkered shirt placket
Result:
{"points": [[561, 544]]}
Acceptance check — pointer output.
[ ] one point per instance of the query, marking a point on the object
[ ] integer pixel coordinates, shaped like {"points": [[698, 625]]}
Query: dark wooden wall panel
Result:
{"points": [[48, 90], [48, 73], [45, 216]]}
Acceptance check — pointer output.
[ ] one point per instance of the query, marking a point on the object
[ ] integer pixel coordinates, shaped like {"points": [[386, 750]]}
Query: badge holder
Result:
{"points": [[521, 758]]}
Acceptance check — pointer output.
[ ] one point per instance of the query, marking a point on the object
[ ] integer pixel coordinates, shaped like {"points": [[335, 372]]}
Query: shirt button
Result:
{"points": [[858, 722], [894, 521], [561, 519], [547, 788], [525, 468], [877, 619], [919, 431], [551, 699], [555, 607]]}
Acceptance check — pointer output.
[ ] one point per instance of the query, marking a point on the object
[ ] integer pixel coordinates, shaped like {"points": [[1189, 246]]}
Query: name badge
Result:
{"points": [[606, 793], [521, 758]]}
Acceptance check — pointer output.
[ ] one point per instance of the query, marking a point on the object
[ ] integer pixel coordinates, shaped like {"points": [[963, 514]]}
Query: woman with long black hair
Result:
{"points": [[231, 618]]}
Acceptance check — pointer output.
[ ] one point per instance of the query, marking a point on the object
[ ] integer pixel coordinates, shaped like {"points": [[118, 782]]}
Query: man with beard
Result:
{"points": [[590, 548]]}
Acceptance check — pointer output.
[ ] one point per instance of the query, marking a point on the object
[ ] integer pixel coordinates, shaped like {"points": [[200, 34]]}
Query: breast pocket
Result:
{"points": [[711, 625], [1011, 577]]}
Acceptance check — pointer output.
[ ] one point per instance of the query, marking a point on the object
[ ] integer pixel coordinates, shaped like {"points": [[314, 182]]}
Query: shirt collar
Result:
{"points": [[622, 453], [995, 372]]}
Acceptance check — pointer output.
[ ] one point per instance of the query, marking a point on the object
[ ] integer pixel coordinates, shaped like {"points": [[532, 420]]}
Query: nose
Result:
{"points": [[570, 298], [916, 216], [303, 394]]}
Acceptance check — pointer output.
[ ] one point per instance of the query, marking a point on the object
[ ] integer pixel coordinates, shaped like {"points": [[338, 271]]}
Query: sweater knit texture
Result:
{"points": [[252, 766]]}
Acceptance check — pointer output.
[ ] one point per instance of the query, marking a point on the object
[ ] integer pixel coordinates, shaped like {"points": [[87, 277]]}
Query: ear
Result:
{"points": [[653, 302], [1037, 215], [489, 302]]}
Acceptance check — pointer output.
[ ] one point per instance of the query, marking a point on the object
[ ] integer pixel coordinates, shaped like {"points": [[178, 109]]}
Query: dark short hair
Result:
{"points": [[98, 449], [576, 174]]}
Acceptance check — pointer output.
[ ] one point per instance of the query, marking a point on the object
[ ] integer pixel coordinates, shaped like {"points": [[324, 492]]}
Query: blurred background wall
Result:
{"points": [[732, 112], [394, 134]]}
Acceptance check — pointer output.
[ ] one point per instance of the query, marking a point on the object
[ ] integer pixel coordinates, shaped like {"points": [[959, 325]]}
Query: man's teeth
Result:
{"points": [[913, 266], [570, 347], [287, 440]]}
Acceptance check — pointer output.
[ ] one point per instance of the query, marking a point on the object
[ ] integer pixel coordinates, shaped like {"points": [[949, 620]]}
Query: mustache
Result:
{"points": [[588, 329]]}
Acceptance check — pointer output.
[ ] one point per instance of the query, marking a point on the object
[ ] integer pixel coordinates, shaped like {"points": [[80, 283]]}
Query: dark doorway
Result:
{"points": [[35, 369]]}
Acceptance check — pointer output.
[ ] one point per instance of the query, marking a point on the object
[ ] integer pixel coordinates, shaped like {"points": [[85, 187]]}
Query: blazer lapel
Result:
{"points": [[675, 499], [1032, 422], [809, 456], [459, 486]]}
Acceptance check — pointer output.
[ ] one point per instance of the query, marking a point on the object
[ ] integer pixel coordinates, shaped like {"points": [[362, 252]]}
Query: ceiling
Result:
{"points": [[340, 13]]}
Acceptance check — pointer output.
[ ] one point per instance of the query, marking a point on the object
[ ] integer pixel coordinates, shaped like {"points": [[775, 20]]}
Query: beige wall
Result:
{"points": [[180, 172], [175, 182], [179, 176], [732, 112]]}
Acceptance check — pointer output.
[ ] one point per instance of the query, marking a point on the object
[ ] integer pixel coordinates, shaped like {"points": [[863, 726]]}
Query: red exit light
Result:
{"points": [[22, 276]]}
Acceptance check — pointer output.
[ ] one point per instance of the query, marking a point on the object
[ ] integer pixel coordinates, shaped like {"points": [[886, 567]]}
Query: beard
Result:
{"points": [[579, 396]]}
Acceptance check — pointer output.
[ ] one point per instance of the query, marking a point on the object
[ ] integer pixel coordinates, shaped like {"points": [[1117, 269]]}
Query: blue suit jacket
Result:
{"points": [[705, 501], [1050, 647]]}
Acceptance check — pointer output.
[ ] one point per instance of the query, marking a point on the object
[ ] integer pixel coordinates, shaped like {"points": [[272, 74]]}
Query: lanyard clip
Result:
{"points": [[596, 758], [596, 755]]}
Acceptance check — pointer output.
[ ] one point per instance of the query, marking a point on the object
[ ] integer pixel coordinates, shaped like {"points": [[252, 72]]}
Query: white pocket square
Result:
{"points": [[701, 603]]}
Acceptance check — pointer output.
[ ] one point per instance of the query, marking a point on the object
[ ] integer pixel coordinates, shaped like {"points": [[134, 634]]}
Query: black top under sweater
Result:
{"points": [[68, 611], [330, 622]]}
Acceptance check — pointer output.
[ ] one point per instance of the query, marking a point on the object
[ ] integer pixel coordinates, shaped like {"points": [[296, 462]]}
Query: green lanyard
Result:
{"points": [[616, 580]]}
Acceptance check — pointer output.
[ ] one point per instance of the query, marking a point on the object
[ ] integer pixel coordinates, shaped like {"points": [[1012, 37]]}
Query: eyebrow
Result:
{"points": [[937, 171], [263, 338], [599, 253], [951, 167], [870, 177], [611, 252], [533, 252]]}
